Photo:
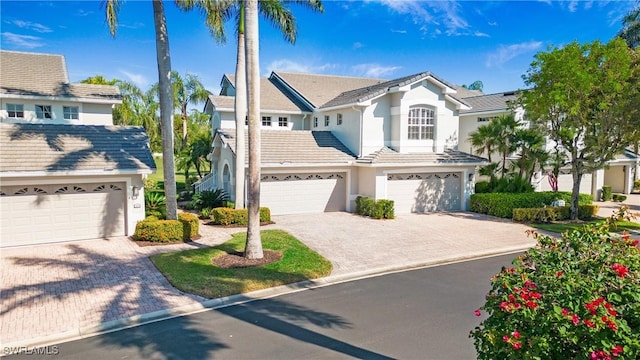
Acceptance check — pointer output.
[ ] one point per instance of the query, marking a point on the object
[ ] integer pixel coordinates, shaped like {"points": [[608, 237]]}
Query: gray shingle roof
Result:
{"points": [[271, 98], [369, 92], [52, 147], [222, 102], [319, 89], [490, 102], [297, 146], [36, 74], [388, 156]]}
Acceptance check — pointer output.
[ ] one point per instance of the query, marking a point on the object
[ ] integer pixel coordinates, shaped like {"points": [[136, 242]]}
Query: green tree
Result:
{"points": [[631, 28], [530, 144], [163, 58], [476, 85], [579, 94], [99, 80], [187, 90], [506, 127]]}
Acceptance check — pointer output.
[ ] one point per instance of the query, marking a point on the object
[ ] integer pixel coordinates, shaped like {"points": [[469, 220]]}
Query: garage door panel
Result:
{"points": [[61, 213], [303, 193], [424, 192]]}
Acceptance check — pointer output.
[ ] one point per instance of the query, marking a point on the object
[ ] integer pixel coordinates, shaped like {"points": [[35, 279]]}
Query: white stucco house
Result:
{"points": [[66, 173], [327, 139]]}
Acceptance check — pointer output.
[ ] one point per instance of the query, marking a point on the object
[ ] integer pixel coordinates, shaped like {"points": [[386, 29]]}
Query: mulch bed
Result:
{"points": [[237, 260], [210, 223]]}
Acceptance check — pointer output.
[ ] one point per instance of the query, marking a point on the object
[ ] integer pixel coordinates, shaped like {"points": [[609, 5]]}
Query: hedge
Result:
{"points": [[228, 216], [381, 209], [502, 204], [553, 213], [164, 231]]}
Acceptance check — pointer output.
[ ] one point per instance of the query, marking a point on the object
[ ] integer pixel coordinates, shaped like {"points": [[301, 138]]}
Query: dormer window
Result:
{"points": [[421, 123]]}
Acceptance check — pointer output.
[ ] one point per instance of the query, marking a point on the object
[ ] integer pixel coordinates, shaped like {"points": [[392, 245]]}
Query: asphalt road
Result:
{"points": [[418, 314]]}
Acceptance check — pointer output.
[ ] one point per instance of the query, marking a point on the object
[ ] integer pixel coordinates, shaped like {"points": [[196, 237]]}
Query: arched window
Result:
{"points": [[421, 123]]}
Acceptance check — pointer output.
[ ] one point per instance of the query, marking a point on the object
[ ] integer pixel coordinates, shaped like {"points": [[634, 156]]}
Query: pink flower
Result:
{"points": [[575, 319], [516, 334], [477, 313], [565, 312], [635, 242], [517, 345], [505, 338]]}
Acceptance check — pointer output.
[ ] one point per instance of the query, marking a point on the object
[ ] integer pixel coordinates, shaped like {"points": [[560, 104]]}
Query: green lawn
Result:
{"points": [[180, 181], [560, 228], [192, 271]]}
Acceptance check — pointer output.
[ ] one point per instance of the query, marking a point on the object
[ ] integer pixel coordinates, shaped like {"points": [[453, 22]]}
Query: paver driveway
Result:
{"points": [[55, 289]]}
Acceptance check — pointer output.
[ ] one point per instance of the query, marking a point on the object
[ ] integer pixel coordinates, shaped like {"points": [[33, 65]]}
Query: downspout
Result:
{"points": [[360, 140], [304, 117]]}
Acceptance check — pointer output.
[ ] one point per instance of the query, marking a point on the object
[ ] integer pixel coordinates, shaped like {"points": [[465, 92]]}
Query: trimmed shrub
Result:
{"points": [[209, 199], [160, 231], [228, 216], [150, 184], [619, 197], [636, 185], [191, 225], [482, 187], [607, 193], [553, 213], [502, 204], [573, 297], [381, 209], [205, 213]]}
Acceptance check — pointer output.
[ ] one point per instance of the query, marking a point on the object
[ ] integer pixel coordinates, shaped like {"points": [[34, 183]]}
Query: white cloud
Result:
{"points": [[140, 80], [480, 34], [374, 70], [432, 15], [358, 45], [399, 31], [24, 41], [507, 52], [573, 6], [31, 26], [82, 12], [292, 66], [493, 23]]}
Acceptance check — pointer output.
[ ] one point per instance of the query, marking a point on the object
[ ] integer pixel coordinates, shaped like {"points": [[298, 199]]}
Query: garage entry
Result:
{"points": [[301, 193], [38, 214], [425, 192]]}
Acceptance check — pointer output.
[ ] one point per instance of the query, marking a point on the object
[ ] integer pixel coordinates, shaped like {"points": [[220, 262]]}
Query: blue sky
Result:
{"points": [[461, 41]]}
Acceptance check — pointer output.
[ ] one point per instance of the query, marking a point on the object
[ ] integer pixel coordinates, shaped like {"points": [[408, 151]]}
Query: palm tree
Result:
{"points": [[483, 140], [506, 127], [631, 28], [165, 95], [187, 90]]}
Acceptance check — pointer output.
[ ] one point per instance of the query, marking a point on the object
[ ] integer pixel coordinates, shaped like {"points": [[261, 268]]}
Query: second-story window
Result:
{"points": [[339, 120], [43, 111], [70, 112], [421, 123], [315, 121], [327, 119], [266, 121], [283, 121], [15, 110]]}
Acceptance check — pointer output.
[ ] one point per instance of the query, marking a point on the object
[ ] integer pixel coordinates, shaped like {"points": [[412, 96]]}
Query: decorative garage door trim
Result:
{"points": [[425, 192], [303, 192], [58, 189]]}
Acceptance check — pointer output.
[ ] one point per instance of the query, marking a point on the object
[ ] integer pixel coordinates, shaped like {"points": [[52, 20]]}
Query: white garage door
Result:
{"points": [[424, 192], [41, 214], [303, 193]]}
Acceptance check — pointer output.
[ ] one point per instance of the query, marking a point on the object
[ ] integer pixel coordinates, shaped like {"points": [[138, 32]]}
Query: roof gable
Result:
{"points": [[64, 148]]}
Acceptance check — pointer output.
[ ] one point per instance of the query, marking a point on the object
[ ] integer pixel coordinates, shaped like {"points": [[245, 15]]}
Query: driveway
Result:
{"points": [[61, 290]]}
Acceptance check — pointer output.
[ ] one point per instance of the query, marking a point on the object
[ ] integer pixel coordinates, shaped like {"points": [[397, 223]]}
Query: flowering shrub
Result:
{"points": [[574, 297]]}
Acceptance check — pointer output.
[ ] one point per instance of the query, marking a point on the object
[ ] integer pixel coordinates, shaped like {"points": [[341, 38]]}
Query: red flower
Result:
{"points": [[516, 334], [620, 269], [559, 274], [635, 242], [617, 350], [612, 326], [589, 323], [536, 295], [565, 312], [612, 312], [477, 313], [531, 304], [575, 319], [505, 338], [517, 345]]}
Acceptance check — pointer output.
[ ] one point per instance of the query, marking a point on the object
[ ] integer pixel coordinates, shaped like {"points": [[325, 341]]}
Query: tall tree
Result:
{"points": [[165, 95], [187, 90], [99, 80], [476, 85], [579, 94], [506, 126], [253, 247], [631, 27]]}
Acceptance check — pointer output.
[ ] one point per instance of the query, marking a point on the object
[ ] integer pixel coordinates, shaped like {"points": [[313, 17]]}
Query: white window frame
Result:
{"points": [[43, 112], [327, 120], [68, 112], [15, 111], [315, 121], [339, 120], [421, 123], [266, 121], [283, 121]]}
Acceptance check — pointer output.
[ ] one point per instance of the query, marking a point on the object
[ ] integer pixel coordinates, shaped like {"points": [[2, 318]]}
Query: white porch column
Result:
{"points": [[597, 181], [628, 179], [381, 185], [468, 182]]}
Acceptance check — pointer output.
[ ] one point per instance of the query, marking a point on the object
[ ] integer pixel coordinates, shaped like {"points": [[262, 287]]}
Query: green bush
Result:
{"points": [[150, 184], [381, 209], [636, 185], [205, 213], [619, 197], [209, 199], [482, 187], [155, 204], [191, 225], [574, 297], [161, 231], [553, 213], [228, 216], [607, 193], [513, 185], [502, 204]]}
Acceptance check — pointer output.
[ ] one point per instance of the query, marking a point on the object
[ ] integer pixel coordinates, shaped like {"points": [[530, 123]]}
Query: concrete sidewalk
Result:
{"points": [[57, 292]]}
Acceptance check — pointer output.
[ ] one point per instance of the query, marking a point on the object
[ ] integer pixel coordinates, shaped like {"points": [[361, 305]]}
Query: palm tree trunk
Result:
{"points": [[253, 248], [184, 126], [241, 114], [166, 107]]}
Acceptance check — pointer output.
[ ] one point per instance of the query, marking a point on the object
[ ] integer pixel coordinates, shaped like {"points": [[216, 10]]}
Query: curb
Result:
{"points": [[212, 304]]}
